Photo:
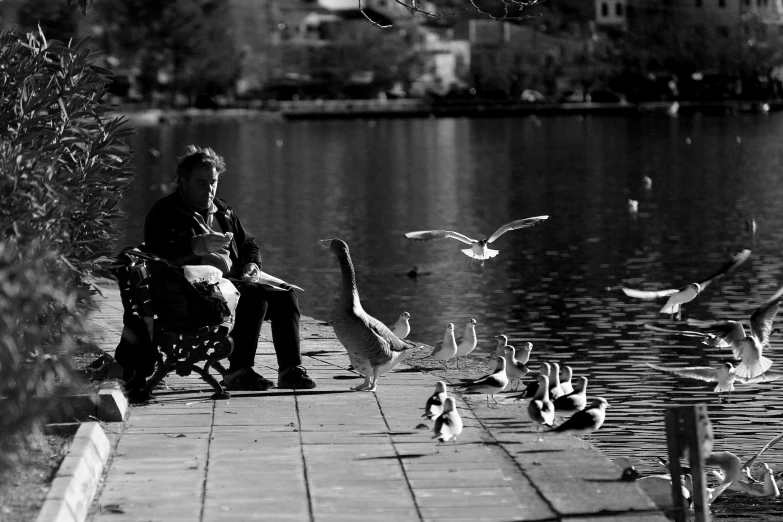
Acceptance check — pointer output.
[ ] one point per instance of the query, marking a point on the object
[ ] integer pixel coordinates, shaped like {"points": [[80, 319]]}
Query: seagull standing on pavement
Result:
{"points": [[555, 390], [686, 294], [467, 343], [489, 385], [402, 327], [446, 349], [478, 247], [566, 374], [502, 342], [541, 410], [585, 422], [532, 389], [434, 406], [448, 425], [574, 401], [514, 368]]}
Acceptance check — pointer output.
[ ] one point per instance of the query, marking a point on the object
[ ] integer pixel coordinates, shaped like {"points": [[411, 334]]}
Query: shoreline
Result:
{"points": [[404, 108]]}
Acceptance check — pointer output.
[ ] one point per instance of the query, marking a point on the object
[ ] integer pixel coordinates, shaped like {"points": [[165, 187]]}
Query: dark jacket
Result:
{"points": [[170, 225]]}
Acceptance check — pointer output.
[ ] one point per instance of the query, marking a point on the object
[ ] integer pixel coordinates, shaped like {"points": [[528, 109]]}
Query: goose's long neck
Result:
{"points": [[349, 295]]}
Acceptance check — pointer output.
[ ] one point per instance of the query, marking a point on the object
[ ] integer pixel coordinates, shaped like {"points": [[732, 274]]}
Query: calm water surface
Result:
{"points": [[368, 182]]}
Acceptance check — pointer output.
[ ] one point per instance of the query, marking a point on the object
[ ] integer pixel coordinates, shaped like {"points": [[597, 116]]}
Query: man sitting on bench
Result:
{"points": [[191, 227]]}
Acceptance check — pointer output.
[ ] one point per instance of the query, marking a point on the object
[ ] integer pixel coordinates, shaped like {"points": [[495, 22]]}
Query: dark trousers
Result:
{"points": [[256, 304]]}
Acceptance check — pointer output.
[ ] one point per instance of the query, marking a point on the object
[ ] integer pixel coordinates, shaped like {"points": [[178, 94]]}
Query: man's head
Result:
{"points": [[197, 175]]}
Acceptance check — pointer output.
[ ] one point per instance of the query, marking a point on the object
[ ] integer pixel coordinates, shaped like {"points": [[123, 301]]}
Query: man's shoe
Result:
{"points": [[246, 380], [295, 378]]}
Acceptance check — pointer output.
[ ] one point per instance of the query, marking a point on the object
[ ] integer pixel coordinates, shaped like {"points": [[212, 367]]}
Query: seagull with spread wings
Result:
{"points": [[724, 375], [765, 485], [749, 348], [686, 294], [478, 247]]}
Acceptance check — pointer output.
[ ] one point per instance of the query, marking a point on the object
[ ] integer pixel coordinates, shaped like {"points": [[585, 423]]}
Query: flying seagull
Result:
{"points": [[749, 348], [686, 294], [724, 375], [478, 247]]}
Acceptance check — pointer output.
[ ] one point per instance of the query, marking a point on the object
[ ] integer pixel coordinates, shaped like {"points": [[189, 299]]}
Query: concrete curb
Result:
{"points": [[108, 405], [76, 482]]}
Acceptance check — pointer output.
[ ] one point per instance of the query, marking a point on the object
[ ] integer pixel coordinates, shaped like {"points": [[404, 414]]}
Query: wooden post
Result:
{"points": [[695, 429], [675, 450], [687, 429]]}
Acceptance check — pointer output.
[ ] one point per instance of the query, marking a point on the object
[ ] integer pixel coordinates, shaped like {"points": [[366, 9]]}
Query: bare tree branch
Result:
{"points": [[370, 20], [413, 8]]}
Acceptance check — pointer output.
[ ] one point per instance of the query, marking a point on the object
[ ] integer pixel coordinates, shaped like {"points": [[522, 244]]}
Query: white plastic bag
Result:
{"points": [[206, 273], [213, 275]]}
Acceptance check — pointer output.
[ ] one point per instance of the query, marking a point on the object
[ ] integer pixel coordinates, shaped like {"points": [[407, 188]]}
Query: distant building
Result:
{"points": [[445, 50], [511, 58], [610, 13]]}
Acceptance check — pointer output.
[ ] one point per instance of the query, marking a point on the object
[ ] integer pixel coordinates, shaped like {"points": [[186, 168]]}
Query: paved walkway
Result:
{"points": [[330, 454]]}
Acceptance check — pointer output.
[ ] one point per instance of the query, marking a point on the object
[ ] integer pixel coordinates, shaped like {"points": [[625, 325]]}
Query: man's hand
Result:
{"points": [[250, 272]]}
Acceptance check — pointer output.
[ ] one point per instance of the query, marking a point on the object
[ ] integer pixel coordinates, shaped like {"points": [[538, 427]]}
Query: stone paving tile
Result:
{"points": [[467, 496], [325, 484], [229, 508], [150, 511]]}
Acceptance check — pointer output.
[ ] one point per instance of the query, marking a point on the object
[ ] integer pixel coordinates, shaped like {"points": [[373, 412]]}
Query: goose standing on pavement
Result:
{"points": [[434, 406], [478, 247], [686, 294], [514, 368], [489, 385], [445, 349], [585, 422], [402, 327], [448, 425], [541, 410], [372, 348], [467, 343]]}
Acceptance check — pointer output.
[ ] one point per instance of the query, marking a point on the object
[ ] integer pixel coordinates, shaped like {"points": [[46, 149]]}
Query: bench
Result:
{"points": [[169, 331]]}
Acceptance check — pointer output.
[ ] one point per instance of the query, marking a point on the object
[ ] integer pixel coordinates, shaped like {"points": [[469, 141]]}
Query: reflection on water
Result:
{"points": [[368, 182]]}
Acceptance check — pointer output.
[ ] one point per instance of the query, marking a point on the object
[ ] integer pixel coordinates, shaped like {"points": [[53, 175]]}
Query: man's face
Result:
{"points": [[200, 188]]}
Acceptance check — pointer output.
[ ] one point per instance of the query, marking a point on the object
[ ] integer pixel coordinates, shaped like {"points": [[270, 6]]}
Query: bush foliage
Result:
{"points": [[63, 168], [63, 163], [39, 317]]}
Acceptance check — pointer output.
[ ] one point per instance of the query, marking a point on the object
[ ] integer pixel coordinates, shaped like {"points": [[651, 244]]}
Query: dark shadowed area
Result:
{"points": [[368, 182]]}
